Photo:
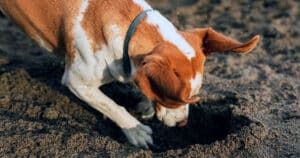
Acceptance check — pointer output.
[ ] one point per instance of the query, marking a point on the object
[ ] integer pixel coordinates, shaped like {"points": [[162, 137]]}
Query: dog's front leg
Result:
{"points": [[136, 133]]}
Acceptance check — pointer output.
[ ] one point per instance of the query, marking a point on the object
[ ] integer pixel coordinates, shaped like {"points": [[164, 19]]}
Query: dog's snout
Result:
{"points": [[183, 122]]}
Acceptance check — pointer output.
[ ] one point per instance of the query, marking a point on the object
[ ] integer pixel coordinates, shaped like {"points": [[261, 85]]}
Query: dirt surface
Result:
{"points": [[249, 107]]}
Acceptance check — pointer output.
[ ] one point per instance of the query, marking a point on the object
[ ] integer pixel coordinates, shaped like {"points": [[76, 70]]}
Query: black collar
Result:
{"points": [[130, 32]]}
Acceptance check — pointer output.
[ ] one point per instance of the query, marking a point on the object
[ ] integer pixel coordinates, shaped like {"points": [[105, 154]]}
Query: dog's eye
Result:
{"points": [[176, 73]]}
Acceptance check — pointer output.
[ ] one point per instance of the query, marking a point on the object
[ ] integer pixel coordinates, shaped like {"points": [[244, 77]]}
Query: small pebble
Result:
{"points": [[4, 61], [51, 114]]}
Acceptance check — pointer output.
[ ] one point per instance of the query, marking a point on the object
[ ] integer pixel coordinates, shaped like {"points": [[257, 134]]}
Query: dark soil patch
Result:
{"points": [[211, 120]]}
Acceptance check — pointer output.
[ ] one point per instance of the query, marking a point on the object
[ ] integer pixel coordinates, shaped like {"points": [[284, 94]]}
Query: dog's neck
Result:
{"points": [[144, 40], [153, 30]]}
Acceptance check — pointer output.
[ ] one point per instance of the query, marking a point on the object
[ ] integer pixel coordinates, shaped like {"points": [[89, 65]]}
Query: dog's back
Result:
{"points": [[50, 22], [41, 20]]}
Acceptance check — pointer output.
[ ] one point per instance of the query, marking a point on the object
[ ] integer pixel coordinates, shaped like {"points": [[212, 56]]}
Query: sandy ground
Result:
{"points": [[249, 107]]}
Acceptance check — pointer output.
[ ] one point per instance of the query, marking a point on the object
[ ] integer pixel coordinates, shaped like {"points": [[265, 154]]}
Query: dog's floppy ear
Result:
{"points": [[160, 82], [212, 41]]}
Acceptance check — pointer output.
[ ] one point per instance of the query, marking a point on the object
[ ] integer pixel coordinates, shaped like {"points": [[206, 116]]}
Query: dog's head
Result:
{"points": [[172, 80]]}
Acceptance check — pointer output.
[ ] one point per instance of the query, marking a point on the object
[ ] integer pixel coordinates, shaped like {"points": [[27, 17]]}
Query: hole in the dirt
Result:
{"points": [[209, 121], [122, 94]]}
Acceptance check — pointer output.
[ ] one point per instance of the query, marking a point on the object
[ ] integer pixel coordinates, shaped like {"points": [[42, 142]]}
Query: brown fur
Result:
{"points": [[167, 80], [163, 72]]}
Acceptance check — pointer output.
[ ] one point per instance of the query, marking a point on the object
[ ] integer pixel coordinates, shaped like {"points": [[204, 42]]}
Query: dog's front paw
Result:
{"points": [[139, 136], [145, 109]]}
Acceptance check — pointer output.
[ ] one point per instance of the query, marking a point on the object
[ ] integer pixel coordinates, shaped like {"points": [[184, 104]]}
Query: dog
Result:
{"points": [[166, 64]]}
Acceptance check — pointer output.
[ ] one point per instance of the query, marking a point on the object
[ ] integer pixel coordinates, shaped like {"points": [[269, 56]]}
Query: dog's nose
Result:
{"points": [[183, 122]]}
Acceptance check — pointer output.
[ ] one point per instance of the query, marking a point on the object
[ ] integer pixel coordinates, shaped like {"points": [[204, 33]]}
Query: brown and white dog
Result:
{"points": [[167, 64]]}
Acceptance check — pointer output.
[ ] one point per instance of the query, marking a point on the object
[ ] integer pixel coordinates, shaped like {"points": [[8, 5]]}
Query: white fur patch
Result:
{"points": [[81, 41], [143, 4], [114, 30], [187, 108], [171, 117], [84, 58], [196, 84], [115, 43], [170, 34], [167, 30], [114, 53], [42, 43], [161, 113]]}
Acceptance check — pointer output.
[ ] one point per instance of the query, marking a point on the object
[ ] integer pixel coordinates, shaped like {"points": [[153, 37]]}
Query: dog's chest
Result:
{"points": [[100, 64], [91, 63]]}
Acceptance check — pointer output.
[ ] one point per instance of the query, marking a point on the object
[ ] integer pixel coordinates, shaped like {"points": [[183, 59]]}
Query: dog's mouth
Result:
{"points": [[173, 117], [175, 103], [194, 99]]}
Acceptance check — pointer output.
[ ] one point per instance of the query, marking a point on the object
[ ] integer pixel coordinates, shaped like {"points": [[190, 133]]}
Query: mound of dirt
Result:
{"points": [[249, 107]]}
